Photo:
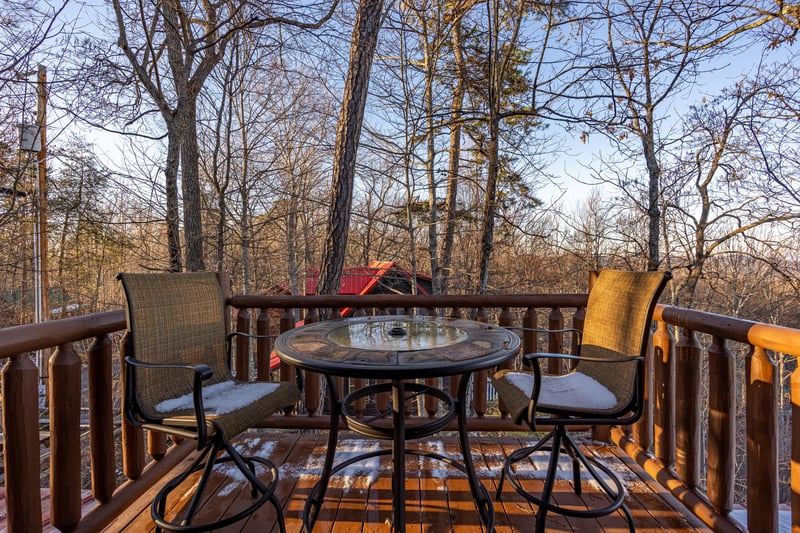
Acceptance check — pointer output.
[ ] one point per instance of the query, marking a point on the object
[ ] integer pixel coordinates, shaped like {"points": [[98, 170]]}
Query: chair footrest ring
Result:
{"points": [[615, 494], [157, 509]]}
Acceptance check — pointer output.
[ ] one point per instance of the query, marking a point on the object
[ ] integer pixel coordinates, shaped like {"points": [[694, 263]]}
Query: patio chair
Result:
{"points": [[178, 382], [604, 386]]}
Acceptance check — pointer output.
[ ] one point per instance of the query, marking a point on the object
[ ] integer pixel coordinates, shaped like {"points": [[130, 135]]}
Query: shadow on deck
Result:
{"points": [[359, 498]]}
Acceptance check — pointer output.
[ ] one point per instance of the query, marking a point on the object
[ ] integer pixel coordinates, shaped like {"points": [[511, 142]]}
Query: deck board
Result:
{"points": [[359, 498]]}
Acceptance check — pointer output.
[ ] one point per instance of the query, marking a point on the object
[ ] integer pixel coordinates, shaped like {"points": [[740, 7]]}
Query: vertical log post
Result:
{"points": [[21, 460], [242, 364], [664, 395], [687, 409], [577, 323], [132, 436], [762, 442], [263, 346], [795, 470], [642, 431], [65, 438], [312, 379], [528, 336], [287, 372], [101, 419], [555, 340], [721, 429], [157, 444], [479, 378]]}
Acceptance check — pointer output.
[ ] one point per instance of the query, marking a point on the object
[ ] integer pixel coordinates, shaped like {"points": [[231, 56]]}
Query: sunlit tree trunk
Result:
{"points": [[454, 165]]}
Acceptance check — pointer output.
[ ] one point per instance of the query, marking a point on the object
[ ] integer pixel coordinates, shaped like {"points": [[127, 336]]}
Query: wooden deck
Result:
{"points": [[359, 498]]}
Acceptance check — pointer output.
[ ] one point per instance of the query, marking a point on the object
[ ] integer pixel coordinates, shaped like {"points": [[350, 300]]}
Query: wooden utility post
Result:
{"points": [[41, 120]]}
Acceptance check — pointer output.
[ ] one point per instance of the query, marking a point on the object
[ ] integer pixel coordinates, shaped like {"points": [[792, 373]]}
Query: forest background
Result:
{"points": [[498, 146], [505, 146]]}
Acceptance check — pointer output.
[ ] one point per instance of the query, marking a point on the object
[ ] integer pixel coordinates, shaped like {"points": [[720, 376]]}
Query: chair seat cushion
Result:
{"points": [[574, 392], [233, 406]]}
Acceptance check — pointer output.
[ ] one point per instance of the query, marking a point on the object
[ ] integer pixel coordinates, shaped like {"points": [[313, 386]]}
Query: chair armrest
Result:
{"points": [[578, 332], [229, 345], [204, 371], [233, 334], [544, 330], [201, 371], [533, 358]]}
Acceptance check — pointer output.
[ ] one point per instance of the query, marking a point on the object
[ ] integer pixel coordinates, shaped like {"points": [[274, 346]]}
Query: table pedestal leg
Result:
{"points": [[479, 492], [399, 457], [317, 497]]}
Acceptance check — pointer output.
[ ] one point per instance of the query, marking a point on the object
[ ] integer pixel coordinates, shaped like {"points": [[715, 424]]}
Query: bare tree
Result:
{"points": [[656, 51], [362, 46], [177, 45], [716, 193]]}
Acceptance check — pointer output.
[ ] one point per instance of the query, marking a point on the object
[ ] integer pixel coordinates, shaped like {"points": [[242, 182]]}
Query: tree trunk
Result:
{"points": [[654, 192], [171, 187], [490, 199], [362, 47], [450, 207], [433, 201], [190, 180]]}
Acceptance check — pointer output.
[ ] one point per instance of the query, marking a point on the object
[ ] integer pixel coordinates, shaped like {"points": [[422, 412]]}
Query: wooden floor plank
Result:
{"points": [[437, 496]]}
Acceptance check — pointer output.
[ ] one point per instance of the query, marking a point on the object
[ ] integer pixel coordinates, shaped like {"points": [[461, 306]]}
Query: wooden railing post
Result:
{"points": [[555, 340], [20, 455], [795, 449], [529, 340], [721, 426], [762, 442], [663, 395], [101, 419], [642, 431], [687, 409], [263, 346], [65, 438], [242, 364], [577, 323], [132, 436], [479, 378], [311, 380]]}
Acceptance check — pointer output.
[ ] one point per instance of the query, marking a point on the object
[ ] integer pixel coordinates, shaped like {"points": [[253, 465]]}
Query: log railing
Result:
{"points": [[685, 442]]}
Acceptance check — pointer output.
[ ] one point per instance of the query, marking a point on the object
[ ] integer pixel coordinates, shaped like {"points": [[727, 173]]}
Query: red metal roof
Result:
{"points": [[363, 279], [359, 281]]}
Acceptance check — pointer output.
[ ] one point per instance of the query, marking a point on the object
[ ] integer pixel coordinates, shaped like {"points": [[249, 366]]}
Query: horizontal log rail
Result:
{"points": [[679, 428]]}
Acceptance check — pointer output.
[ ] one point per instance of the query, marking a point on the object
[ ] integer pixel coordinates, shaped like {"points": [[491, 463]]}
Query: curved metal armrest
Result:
{"points": [[233, 334], [544, 330], [201, 371], [229, 345], [533, 359], [530, 357]]}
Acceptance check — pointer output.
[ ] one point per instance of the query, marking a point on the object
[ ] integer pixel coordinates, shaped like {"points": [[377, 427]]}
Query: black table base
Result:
{"points": [[399, 432]]}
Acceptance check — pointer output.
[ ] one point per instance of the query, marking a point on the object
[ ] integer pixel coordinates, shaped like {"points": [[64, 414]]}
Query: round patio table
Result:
{"points": [[400, 349]]}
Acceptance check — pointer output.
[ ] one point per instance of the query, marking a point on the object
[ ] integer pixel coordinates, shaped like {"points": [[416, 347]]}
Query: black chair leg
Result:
{"points": [[517, 456], [277, 504], [550, 480], [217, 452], [562, 442]]}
